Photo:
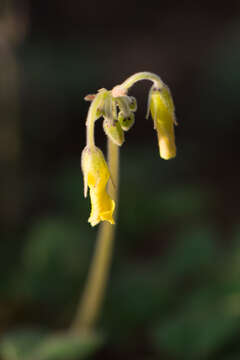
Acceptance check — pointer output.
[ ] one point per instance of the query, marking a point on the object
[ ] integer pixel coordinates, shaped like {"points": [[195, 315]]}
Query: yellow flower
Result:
{"points": [[96, 175], [162, 111]]}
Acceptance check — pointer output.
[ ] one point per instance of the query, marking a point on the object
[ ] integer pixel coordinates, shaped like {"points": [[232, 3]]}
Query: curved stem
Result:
{"points": [[91, 302], [92, 115], [144, 75]]}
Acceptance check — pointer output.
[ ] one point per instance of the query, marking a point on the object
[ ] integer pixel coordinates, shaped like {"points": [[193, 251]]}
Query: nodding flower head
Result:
{"points": [[96, 175], [162, 111], [118, 109]]}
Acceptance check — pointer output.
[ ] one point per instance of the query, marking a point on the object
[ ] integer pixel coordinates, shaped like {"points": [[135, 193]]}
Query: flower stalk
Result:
{"points": [[92, 299], [92, 115], [102, 178]]}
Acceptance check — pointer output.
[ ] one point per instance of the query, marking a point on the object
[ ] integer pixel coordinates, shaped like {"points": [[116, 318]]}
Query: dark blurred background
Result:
{"points": [[174, 290]]}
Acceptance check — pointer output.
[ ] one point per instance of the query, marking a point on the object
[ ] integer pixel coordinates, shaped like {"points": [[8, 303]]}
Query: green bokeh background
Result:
{"points": [[174, 288]]}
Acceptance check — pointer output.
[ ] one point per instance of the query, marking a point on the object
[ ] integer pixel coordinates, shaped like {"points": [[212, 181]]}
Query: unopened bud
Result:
{"points": [[126, 122], [132, 103], [162, 111], [114, 131]]}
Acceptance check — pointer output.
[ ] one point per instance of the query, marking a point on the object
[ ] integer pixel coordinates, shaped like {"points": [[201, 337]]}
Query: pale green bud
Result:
{"points": [[114, 108], [126, 122], [132, 103], [108, 108], [123, 104], [114, 131]]}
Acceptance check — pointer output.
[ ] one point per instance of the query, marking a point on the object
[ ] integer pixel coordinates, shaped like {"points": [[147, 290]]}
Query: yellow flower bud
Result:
{"points": [[162, 111], [96, 175]]}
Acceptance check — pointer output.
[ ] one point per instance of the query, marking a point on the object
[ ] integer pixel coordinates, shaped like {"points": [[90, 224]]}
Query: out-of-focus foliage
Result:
{"points": [[185, 302], [37, 345], [174, 289]]}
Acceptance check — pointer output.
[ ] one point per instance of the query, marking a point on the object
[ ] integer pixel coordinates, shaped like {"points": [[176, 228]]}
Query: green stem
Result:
{"points": [[92, 299], [92, 115], [142, 76]]}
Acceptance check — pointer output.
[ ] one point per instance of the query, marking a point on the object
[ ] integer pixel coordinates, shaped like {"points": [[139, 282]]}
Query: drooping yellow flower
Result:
{"points": [[96, 175], [162, 111]]}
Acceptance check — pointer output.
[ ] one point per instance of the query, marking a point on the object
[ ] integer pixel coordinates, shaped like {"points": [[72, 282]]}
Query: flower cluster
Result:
{"points": [[117, 110]]}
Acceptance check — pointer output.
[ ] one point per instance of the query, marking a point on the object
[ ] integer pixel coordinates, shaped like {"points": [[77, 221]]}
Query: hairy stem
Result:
{"points": [[92, 115], [142, 76], [92, 299]]}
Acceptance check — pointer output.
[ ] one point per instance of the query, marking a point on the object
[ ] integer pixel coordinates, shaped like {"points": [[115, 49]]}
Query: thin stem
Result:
{"points": [[142, 76], [92, 115], [91, 302]]}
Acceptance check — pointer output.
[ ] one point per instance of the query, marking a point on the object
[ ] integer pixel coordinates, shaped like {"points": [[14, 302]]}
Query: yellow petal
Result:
{"points": [[96, 176], [102, 206]]}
